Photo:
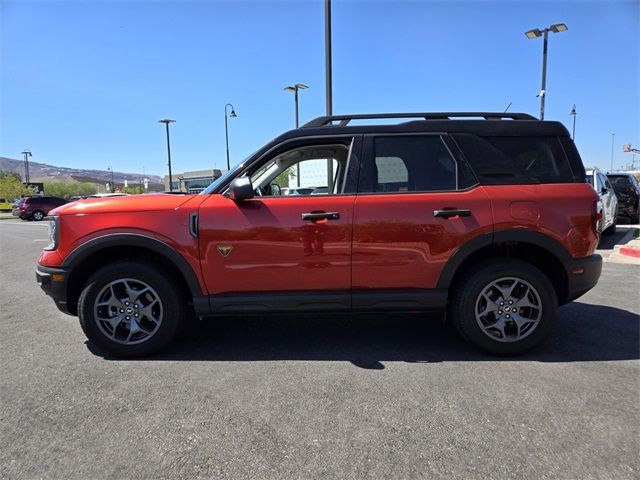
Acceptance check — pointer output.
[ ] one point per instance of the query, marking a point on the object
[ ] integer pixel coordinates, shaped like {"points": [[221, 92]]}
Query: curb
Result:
{"points": [[630, 251]]}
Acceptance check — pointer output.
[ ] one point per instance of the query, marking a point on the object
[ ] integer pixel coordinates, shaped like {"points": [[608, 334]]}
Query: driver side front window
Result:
{"points": [[308, 170]]}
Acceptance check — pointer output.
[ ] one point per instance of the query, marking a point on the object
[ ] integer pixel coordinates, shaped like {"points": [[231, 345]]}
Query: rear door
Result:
{"points": [[417, 204]]}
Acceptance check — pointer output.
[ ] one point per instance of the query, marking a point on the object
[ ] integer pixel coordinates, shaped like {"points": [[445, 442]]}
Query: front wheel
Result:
{"points": [[504, 306], [131, 309]]}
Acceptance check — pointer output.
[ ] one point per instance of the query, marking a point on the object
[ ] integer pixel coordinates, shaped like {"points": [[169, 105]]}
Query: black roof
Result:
{"points": [[480, 123]]}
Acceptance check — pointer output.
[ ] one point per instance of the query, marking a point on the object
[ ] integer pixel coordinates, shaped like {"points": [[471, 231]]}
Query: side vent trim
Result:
{"points": [[193, 225]]}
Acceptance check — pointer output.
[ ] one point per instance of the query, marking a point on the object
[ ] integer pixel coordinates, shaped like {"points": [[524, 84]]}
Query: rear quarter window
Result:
{"points": [[620, 182], [518, 160]]}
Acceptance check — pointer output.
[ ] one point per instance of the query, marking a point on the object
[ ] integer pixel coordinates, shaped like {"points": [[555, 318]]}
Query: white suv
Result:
{"points": [[608, 204]]}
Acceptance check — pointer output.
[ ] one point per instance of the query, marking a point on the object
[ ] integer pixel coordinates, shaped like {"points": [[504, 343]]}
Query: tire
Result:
{"points": [[37, 215], [528, 285], [133, 295]]}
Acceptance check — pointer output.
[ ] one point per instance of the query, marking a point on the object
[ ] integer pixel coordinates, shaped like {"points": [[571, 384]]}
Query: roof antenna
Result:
{"points": [[505, 110]]}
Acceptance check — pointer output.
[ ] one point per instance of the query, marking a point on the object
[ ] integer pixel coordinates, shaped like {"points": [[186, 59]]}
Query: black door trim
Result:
{"points": [[330, 301]]}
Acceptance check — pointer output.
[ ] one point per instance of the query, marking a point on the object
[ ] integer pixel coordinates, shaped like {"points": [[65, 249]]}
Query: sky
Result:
{"points": [[84, 83]]}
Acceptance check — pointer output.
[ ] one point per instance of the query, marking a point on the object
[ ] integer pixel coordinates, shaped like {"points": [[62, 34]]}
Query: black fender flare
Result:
{"points": [[512, 235], [79, 254]]}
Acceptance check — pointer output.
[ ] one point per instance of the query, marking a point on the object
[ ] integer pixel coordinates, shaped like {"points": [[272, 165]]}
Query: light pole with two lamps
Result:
{"points": [[535, 33]]}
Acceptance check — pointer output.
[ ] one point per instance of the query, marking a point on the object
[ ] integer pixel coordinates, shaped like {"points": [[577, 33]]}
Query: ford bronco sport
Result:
{"points": [[486, 216]]}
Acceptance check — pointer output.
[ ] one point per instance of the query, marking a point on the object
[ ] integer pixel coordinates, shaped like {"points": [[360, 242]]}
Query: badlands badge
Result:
{"points": [[225, 250]]}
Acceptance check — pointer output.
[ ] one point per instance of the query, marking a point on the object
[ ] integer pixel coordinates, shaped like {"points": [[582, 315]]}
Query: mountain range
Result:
{"points": [[42, 172]]}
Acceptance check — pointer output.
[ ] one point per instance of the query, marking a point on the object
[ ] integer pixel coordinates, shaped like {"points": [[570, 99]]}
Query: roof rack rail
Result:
{"points": [[345, 119]]}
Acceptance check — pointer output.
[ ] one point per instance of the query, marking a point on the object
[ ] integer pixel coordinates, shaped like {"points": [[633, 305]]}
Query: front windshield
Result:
{"points": [[590, 179]]}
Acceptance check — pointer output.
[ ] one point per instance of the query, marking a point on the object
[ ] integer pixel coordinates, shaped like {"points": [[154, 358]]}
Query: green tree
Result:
{"points": [[11, 188], [66, 190], [8, 173]]}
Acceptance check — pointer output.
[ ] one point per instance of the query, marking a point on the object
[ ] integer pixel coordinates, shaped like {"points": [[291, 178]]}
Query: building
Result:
{"points": [[192, 182]]}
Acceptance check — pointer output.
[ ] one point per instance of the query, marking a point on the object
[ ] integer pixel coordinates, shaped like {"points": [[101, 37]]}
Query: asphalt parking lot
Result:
{"points": [[318, 397]]}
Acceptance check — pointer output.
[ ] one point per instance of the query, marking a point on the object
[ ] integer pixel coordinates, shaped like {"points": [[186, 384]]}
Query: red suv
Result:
{"points": [[36, 207], [486, 216]]}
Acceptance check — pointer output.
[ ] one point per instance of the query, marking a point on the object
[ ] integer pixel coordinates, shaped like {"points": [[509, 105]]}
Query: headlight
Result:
{"points": [[54, 232]]}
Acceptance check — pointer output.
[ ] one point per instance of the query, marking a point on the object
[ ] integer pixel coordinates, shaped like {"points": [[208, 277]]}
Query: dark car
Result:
{"points": [[36, 207], [627, 190]]}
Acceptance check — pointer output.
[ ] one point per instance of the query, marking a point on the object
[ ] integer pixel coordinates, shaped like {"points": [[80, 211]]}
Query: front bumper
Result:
{"points": [[53, 282], [583, 274]]}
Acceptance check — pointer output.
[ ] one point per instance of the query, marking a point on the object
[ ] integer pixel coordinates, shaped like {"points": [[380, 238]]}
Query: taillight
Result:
{"points": [[596, 216]]}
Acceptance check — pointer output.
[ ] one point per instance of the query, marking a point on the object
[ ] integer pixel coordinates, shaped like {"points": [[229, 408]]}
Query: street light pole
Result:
{"points": [[226, 130], [327, 55], [535, 33], [613, 136], [112, 185], [27, 154], [166, 122], [573, 113], [294, 89]]}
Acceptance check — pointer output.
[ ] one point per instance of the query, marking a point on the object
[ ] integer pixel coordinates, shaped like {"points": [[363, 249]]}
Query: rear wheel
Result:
{"points": [[504, 306], [131, 309], [37, 215]]}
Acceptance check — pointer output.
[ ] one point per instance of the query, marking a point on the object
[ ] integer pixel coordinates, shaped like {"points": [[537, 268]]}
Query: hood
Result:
{"points": [[131, 203]]}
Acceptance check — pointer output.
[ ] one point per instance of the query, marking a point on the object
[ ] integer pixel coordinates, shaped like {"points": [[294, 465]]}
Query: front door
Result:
{"points": [[292, 239]]}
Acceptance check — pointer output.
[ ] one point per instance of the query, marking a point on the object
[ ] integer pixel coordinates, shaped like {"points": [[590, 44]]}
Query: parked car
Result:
{"points": [[297, 190], [36, 207], [6, 204], [486, 218], [627, 190], [104, 195], [608, 204]]}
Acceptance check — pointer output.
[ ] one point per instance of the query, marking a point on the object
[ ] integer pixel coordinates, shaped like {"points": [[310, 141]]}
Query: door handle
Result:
{"points": [[452, 212], [317, 216]]}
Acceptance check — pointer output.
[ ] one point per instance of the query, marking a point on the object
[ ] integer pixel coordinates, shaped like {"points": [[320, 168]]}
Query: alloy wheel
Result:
{"points": [[128, 311], [508, 309]]}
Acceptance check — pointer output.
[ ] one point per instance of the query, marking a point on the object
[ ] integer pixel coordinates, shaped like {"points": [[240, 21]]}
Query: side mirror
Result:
{"points": [[241, 189], [604, 190]]}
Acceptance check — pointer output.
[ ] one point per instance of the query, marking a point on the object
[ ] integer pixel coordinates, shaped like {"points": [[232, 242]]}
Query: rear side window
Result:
{"points": [[406, 163], [519, 160], [620, 182]]}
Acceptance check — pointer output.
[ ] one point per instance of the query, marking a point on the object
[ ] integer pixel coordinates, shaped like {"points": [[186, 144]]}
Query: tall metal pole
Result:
{"points": [[295, 94], [226, 131], [297, 125], [543, 90], [226, 137], [27, 154], [573, 113], [327, 51], [613, 136], [166, 122], [329, 85], [169, 158], [26, 168]]}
